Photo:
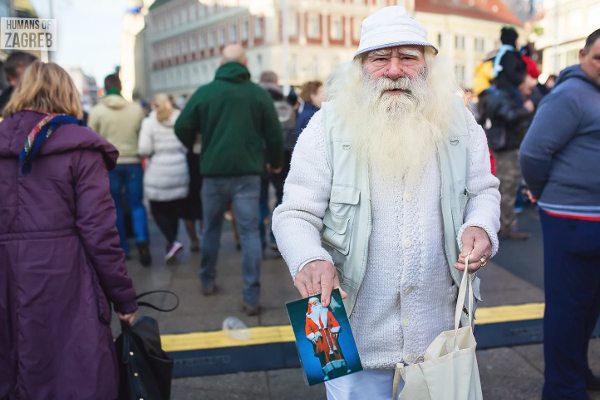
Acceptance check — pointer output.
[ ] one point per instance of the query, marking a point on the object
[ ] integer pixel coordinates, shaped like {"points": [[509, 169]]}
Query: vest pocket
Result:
{"points": [[335, 233], [337, 222]]}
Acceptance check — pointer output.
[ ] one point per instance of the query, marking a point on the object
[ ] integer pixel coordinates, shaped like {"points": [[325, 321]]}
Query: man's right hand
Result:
{"points": [[529, 106], [318, 277]]}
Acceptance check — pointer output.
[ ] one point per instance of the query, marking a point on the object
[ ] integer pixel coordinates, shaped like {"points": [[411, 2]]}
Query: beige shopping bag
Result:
{"points": [[449, 370]]}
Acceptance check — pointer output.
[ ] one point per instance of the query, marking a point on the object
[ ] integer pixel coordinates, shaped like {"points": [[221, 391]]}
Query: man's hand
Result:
{"points": [[529, 106], [475, 244], [129, 318], [272, 170], [318, 277], [531, 197]]}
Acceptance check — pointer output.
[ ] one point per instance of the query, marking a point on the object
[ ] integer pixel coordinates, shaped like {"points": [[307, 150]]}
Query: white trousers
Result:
{"points": [[371, 384]]}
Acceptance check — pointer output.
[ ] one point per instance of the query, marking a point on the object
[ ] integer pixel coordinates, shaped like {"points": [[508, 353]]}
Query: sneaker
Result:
{"points": [[250, 310], [513, 234], [175, 248], [145, 256], [209, 290]]}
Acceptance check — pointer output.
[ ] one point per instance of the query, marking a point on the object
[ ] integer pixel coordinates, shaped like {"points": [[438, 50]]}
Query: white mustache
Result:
{"points": [[404, 84]]}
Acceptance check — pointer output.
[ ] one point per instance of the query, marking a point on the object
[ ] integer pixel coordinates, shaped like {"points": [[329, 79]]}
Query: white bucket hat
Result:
{"points": [[390, 27]]}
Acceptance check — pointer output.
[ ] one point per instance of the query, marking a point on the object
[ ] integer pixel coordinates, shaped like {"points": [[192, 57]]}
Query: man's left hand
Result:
{"points": [[274, 171], [475, 244]]}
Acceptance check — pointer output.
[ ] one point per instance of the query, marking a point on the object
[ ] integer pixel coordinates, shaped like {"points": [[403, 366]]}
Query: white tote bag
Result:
{"points": [[449, 370]]}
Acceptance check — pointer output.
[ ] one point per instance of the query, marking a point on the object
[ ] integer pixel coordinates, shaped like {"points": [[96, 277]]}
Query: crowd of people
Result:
{"points": [[384, 191]]}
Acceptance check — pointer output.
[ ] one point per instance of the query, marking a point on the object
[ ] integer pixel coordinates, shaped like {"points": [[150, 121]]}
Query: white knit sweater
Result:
{"points": [[407, 297]]}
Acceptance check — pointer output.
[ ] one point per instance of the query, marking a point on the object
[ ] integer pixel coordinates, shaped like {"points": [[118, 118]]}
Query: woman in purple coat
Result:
{"points": [[60, 261]]}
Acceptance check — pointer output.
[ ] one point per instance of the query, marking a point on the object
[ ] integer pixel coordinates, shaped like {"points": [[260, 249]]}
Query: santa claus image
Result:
{"points": [[322, 329]]}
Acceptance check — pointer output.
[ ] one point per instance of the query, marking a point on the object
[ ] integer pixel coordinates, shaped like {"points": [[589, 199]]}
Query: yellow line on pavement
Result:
{"points": [[283, 333], [218, 339], [521, 312]]}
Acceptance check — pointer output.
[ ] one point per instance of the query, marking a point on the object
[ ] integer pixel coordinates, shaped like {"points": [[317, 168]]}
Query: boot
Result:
{"points": [[144, 252], [513, 234]]}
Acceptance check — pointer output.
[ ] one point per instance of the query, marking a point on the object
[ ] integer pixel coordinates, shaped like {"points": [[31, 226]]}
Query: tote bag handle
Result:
{"points": [[466, 286]]}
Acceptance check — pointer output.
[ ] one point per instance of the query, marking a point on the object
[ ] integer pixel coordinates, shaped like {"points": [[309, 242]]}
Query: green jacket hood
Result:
{"points": [[233, 72], [114, 101]]}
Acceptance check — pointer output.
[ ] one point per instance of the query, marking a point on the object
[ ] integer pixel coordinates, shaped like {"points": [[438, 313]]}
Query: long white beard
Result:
{"points": [[399, 133]]}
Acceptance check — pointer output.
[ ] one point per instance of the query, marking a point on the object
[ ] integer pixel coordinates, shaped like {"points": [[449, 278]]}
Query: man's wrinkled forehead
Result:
{"points": [[415, 51]]}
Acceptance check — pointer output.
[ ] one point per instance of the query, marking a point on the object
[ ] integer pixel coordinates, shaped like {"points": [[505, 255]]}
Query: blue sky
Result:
{"points": [[88, 33]]}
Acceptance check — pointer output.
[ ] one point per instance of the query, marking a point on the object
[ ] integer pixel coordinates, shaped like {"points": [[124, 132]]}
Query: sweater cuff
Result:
{"points": [[305, 263], [492, 235]]}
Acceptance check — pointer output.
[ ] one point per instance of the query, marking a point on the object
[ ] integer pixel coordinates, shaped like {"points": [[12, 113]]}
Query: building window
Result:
{"points": [[292, 24], [294, 66], [193, 43], [479, 44], [258, 28], [314, 26], [572, 57], [459, 72], [233, 33], [459, 42], [222, 36], [244, 33], [201, 41], [356, 28], [259, 62], [211, 39], [337, 28]]}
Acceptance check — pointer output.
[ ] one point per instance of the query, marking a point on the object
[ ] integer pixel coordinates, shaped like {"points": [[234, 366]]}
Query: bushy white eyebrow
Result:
{"points": [[411, 52], [387, 52]]}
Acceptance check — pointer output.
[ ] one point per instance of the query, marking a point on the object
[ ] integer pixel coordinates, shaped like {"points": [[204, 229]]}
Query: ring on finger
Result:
{"points": [[482, 261]]}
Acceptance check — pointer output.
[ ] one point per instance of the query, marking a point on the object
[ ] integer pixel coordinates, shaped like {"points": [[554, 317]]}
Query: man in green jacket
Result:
{"points": [[239, 127]]}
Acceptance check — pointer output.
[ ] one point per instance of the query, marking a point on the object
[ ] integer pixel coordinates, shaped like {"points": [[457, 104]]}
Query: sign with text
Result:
{"points": [[28, 34]]}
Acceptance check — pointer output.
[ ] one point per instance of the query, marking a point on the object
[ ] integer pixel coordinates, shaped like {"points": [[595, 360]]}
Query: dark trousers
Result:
{"points": [[166, 215], [572, 291], [278, 181]]}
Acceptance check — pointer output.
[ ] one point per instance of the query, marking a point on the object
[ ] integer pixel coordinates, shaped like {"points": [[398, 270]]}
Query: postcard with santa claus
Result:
{"points": [[324, 339]]}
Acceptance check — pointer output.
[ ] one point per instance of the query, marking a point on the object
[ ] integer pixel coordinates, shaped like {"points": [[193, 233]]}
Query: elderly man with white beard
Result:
{"points": [[389, 190]]}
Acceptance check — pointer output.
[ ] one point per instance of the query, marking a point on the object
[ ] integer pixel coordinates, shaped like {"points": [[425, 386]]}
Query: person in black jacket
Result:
{"points": [[509, 68], [505, 121], [14, 68]]}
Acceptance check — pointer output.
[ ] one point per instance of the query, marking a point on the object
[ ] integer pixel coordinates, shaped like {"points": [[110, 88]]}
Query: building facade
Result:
{"points": [[564, 25], [183, 39], [86, 86], [465, 31]]}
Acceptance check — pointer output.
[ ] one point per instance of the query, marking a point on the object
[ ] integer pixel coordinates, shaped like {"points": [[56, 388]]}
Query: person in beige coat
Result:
{"points": [[119, 121]]}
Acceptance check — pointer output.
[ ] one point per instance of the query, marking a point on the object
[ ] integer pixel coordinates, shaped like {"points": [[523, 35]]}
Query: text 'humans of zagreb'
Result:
{"points": [[28, 34]]}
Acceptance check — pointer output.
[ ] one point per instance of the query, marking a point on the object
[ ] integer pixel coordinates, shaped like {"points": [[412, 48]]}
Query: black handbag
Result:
{"points": [[144, 368]]}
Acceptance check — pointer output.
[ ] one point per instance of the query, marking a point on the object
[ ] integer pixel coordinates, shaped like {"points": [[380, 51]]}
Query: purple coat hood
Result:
{"points": [[66, 138]]}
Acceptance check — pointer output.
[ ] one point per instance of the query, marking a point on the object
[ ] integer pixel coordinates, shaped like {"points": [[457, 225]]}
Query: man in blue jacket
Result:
{"points": [[560, 160]]}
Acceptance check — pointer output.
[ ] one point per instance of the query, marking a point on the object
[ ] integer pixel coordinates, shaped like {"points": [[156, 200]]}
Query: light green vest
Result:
{"points": [[347, 222]]}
